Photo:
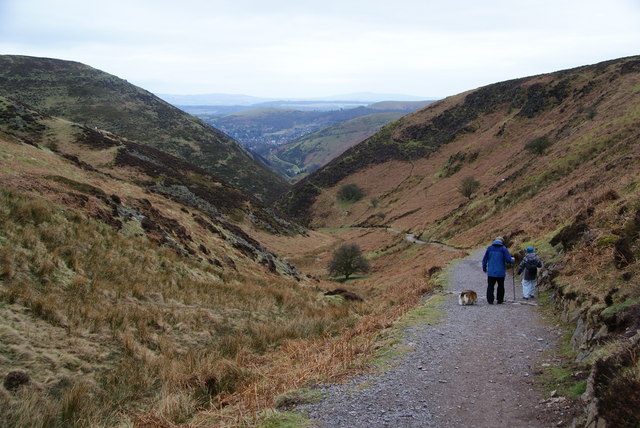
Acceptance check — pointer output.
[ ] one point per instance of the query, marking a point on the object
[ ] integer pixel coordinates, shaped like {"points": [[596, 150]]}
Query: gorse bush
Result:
{"points": [[539, 145]]}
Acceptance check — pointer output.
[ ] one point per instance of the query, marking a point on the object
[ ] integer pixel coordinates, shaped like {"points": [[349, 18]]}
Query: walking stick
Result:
{"points": [[513, 272]]}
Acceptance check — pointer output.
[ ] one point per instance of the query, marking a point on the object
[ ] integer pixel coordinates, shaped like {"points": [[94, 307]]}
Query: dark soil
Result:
{"points": [[475, 368]]}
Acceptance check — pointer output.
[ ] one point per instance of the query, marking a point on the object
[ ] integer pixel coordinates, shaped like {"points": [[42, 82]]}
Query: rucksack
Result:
{"points": [[531, 265]]}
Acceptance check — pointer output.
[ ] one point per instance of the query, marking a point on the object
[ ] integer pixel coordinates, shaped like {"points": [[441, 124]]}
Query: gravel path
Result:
{"points": [[473, 369]]}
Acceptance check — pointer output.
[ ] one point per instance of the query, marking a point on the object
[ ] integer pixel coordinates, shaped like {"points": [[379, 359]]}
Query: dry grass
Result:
{"points": [[156, 338], [300, 363], [178, 331]]}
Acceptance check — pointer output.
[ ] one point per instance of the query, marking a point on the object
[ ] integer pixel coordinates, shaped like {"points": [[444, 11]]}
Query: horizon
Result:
{"points": [[288, 50], [222, 99]]}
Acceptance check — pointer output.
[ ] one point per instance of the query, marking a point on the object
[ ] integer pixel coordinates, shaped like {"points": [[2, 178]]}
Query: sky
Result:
{"points": [[306, 49]]}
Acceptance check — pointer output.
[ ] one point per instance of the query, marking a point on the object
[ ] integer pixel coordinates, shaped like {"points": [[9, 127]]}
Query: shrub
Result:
{"points": [[350, 193], [539, 145], [348, 259]]}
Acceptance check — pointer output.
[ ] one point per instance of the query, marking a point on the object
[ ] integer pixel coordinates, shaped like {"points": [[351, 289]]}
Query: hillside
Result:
{"points": [[557, 160], [557, 106], [95, 99], [308, 153], [99, 162], [127, 276]]}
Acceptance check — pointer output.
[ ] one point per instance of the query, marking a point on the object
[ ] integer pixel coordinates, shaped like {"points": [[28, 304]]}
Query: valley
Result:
{"points": [[158, 268], [295, 138]]}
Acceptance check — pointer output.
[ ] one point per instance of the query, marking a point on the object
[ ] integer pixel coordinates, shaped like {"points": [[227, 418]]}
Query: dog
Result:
{"points": [[467, 297]]}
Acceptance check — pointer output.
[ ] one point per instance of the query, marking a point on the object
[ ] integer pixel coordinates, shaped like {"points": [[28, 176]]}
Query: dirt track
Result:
{"points": [[473, 369]]}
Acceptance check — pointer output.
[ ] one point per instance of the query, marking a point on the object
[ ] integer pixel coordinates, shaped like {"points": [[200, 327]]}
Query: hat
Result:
{"points": [[500, 238], [529, 249]]}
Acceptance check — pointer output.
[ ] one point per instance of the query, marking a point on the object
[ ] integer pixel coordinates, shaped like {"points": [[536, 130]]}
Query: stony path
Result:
{"points": [[473, 369]]}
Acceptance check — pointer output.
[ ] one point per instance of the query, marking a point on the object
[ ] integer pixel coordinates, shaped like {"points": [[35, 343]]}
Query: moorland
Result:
{"points": [[144, 280]]}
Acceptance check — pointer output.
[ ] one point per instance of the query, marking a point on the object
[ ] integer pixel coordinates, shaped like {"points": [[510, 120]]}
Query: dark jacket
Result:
{"points": [[529, 265], [495, 259]]}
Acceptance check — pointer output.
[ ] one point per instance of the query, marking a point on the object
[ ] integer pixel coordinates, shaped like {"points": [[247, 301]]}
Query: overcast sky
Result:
{"points": [[300, 48]]}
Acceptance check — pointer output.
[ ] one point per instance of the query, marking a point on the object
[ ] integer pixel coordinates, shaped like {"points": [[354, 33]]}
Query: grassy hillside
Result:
{"points": [[142, 331], [557, 161], [309, 153], [553, 106], [98, 100]]}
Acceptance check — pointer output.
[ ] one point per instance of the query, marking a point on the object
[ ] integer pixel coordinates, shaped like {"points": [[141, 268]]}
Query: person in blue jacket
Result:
{"points": [[494, 265]]}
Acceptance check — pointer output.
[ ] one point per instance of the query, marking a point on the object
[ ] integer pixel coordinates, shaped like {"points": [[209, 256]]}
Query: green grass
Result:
{"points": [[428, 313], [297, 397], [342, 204], [561, 379], [619, 307], [275, 419], [352, 278], [562, 374]]}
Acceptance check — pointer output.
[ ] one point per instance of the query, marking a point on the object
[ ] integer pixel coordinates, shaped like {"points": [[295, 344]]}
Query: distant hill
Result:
{"points": [[373, 97], [245, 100], [314, 105], [400, 106], [213, 99], [95, 99], [310, 152]]}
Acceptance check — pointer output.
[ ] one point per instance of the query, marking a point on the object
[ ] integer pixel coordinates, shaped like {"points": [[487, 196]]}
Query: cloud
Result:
{"points": [[294, 48]]}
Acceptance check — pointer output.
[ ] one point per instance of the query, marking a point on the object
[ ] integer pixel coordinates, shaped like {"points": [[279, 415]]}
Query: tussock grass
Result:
{"points": [[300, 363]]}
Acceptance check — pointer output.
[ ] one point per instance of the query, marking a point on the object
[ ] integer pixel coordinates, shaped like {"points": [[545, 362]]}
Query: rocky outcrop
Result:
{"points": [[607, 338]]}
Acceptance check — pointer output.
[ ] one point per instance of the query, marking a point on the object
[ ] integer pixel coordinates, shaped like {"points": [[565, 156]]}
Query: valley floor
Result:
{"points": [[474, 368]]}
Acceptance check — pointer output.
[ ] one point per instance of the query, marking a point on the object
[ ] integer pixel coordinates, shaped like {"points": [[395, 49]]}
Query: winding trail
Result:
{"points": [[472, 369]]}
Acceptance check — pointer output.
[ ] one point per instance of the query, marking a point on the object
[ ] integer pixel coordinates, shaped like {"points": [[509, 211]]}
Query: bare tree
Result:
{"points": [[469, 186]]}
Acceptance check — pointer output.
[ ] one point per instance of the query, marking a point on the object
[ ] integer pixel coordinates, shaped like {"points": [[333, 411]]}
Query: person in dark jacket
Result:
{"points": [[529, 268], [494, 265]]}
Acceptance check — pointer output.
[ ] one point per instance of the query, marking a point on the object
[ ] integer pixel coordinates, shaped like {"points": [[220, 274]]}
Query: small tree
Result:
{"points": [[350, 193], [469, 186], [348, 259]]}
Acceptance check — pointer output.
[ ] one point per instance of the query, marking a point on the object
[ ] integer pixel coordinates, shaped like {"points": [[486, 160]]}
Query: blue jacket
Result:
{"points": [[495, 259]]}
